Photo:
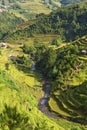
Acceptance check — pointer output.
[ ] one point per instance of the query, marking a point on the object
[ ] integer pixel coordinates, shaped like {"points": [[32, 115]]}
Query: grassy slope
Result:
{"points": [[18, 89]]}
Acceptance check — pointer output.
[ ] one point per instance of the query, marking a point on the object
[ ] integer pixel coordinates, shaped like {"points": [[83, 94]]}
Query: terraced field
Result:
{"points": [[72, 102], [41, 39], [19, 89], [27, 9]]}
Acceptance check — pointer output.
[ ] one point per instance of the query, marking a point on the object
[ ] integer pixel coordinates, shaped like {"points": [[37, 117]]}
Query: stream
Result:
{"points": [[43, 103]]}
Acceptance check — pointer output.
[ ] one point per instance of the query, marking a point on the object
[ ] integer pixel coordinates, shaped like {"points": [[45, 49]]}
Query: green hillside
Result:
{"points": [[19, 94], [69, 23], [69, 98], [8, 22], [53, 95], [66, 69], [28, 9]]}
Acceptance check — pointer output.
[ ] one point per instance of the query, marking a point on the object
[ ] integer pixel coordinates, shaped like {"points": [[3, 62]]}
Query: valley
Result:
{"points": [[43, 65], [20, 85]]}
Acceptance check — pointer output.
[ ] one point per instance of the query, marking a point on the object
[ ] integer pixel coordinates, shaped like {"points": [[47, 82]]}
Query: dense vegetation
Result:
{"points": [[61, 67], [69, 23], [57, 63], [19, 94], [8, 22], [28, 9]]}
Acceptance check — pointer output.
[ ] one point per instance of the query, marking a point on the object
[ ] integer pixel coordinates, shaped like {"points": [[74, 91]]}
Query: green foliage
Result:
{"points": [[7, 66], [57, 42], [8, 22], [25, 97], [60, 64], [28, 49], [23, 63], [67, 22], [10, 118], [7, 80], [16, 6], [46, 59], [0, 51], [73, 102]]}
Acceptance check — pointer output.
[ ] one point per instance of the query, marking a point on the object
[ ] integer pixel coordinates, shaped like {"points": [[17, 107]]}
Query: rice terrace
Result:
{"points": [[43, 65]]}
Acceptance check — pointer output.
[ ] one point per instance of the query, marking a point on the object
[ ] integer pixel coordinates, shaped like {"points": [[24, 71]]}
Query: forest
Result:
{"points": [[69, 23]]}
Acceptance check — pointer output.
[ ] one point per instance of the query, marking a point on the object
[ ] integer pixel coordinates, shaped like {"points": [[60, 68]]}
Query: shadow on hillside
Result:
{"points": [[12, 119], [77, 113]]}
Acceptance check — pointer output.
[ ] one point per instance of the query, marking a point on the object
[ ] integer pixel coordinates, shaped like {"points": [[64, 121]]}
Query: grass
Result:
{"points": [[54, 107], [29, 81], [70, 126], [42, 39], [81, 76], [26, 98]]}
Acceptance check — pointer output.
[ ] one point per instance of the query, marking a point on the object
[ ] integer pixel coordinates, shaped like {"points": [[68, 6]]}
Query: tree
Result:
{"points": [[7, 66], [12, 119], [0, 52]]}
